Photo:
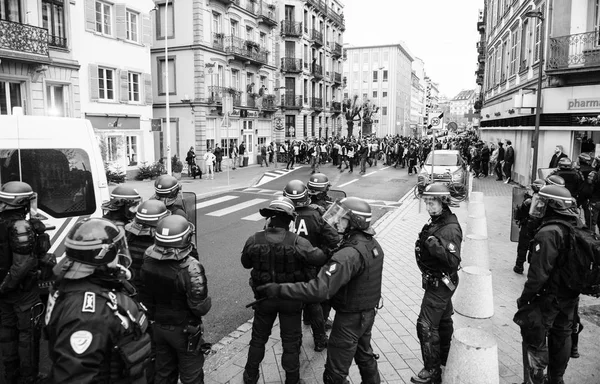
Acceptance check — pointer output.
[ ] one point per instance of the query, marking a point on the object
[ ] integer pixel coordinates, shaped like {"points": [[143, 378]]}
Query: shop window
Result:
{"points": [[10, 97]]}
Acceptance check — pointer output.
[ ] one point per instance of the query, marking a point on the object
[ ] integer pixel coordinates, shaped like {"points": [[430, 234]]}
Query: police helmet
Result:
{"points": [[437, 191], [555, 180], [166, 186], [281, 205], [565, 163], [356, 210], [150, 212], [95, 241], [554, 196], [585, 158], [318, 183], [296, 191], [123, 196], [537, 184], [16, 194], [174, 232]]}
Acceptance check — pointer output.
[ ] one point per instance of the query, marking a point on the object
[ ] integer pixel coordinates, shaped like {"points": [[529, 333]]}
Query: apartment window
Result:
{"points": [[106, 83], [10, 96], [597, 22], [216, 22], [375, 73], [10, 10], [374, 94], [365, 75], [305, 126], [112, 147], [498, 63], [132, 149], [133, 86], [385, 75], [234, 27], [375, 57], [55, 100], [365, 96], [514, 51], [263, 40], [538, 35], [53, 19], [290, 126], [162, 87], [384, 94], [384, 111], [103, 18], [356, 57], [162, 11], [525, 39], [131, 19], [235, 79], [386, 56], [503, 60], [249, 33], [365, 57], [210, 144]]}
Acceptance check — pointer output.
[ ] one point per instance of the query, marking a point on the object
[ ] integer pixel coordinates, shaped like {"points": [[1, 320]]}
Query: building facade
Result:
{"points": [[221, 58], [310, 47], [417, 97], [461, 108], [383, 75], [432, 100], [566, 38]]}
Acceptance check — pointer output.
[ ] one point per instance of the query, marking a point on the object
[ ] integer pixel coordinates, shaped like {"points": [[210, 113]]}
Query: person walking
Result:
{"points": [[242, 153], [97, 330], [271, 152], [438, 254], [289, 255], [263, 155], [218, 158], [175, 291], [209, 159], [509, 159], [352, 279], [234, 155], [291, 155]]}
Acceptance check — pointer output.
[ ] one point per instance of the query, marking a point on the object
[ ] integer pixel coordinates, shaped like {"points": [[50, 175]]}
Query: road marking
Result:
{"points": [[384, 168], [369, 174], [255, 217], [218, 200], [237, 207], [348, 183]]}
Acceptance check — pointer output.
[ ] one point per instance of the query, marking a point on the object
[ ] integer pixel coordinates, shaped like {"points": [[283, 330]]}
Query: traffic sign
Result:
{"points": [[437, 120]]}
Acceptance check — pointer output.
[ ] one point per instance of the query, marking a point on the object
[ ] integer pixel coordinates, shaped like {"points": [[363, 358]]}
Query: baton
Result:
{"points": [[256, 302]]}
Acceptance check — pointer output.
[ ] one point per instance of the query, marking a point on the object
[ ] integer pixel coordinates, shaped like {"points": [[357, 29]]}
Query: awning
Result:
{"points": [[114, 121]]}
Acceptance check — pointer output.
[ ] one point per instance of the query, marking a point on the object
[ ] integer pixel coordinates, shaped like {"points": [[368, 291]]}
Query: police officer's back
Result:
{"points": [[352, 280], [526, 225], [175, 291], [573, 178], [318, 186], [168, 190], [277, 255], [96, 331], [122, 205]]}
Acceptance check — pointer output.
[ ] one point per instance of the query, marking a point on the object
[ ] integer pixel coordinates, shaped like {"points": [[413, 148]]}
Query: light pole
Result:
{"points": [[536, 134]]}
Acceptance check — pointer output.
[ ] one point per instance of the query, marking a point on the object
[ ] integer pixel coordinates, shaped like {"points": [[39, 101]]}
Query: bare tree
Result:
{"points": [[368, 109], [352, 108]]}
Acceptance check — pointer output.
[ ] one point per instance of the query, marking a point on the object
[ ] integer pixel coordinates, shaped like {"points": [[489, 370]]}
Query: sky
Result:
{"points": [[442, 33]]}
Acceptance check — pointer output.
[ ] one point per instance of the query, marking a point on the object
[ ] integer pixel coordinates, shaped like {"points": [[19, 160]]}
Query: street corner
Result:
{"points": [[273, 174]]}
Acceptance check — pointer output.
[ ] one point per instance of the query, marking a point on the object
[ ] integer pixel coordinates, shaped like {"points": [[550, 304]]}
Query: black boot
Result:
{"points": [[321, 343], [575, 341], [433, 376], [250, 379], [518, 268], [537, 376]]}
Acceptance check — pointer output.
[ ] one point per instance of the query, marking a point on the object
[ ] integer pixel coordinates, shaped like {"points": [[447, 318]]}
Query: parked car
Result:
{"points": [[448, 166]]}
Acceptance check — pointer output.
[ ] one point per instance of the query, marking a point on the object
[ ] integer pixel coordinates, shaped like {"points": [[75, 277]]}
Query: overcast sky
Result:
{"points": [[442, 33]]}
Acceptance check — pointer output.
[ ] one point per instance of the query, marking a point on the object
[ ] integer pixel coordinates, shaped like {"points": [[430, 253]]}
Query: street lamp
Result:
{"points": [[536, 134]]}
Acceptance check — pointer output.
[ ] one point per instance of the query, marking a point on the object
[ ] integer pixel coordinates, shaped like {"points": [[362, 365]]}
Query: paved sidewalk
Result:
{"points": [[394, 334]]}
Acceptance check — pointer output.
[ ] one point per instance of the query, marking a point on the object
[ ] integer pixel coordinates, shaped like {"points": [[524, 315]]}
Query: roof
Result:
{"points": [[465, 95], [397, 45]]}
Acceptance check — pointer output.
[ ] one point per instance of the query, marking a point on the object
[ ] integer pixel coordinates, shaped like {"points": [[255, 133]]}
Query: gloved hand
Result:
{"points": [[271, 290], [432, 242]]}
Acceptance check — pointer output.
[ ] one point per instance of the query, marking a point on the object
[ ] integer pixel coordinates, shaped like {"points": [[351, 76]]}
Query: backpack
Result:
{"points": [[579, 266]]}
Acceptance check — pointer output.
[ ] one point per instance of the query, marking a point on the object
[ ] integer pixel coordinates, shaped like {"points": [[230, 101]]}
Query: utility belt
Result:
{"points": [[195, 342], [429, 280]]}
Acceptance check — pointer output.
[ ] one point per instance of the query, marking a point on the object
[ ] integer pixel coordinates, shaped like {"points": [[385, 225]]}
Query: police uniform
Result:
{"points": [[573, 179], [174, 288], [176, 205], [438, 256], [122, 205]]}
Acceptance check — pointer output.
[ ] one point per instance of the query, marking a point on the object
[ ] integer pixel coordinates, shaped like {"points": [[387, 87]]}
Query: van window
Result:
{"points": [[61, 178]]}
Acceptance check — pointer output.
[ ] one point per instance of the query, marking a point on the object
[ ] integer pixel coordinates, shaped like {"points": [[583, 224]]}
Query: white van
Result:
{"points": [[60, 159]]}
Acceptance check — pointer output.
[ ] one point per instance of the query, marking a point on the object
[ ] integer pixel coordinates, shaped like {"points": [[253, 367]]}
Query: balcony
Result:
{"points": [[250, 100], [57, 41], [316, 71], [291, 65], [266, 15], [480, 47], [316, 37], [245, 50], [481, 58], [24, 42], [217, 41], [251, 6], [481, 26], [268, 103], [579, 52], [291, 102], [316, 103], [237, 100], [336, 107], [291, 29], [337, 78], [336, 50], [228, 2]]}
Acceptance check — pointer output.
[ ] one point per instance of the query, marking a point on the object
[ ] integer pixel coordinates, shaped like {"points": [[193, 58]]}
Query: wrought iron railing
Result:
{"points": [[245, 49], [336, 49], [57, 41], [316, 70], [574, 51], [268, 102], [217, 42], [215, 99], [336, 106], [337, 77], [290, 28], [237, 101], [23, 38], [291, 101], [290, 64], [267, 11], [316, 103], [316, 37]]}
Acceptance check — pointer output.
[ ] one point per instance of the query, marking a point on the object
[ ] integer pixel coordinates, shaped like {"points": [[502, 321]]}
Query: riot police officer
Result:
{"points": [[437, 251], [352, 278], [96, 330], [140, 234], [545, 290], [168, 190], [288, 255], [122, 205], [572, 177], [526, 226], [318, 186], [20, 306], [174, 288], [310, 225], [585, 164]]}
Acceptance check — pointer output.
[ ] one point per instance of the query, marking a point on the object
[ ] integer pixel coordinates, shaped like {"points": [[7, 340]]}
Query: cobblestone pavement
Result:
{"points": [[394, 335]]}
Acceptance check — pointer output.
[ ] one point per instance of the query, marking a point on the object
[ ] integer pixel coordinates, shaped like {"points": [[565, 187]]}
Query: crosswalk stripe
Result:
{"points": [[348, 183], [271, 174], [384, 168], [237, 207], [255, 217], [219, 200], [369, 174]]}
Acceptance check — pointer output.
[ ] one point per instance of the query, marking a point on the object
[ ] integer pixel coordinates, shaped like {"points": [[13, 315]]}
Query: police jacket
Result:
{"points": [[18, 264], [310, 225], [93, 327], [174, 204], [573, 179], [139, 239], [174, 286], [277, 255], [542, 277], [351, 279], [438, 245]]}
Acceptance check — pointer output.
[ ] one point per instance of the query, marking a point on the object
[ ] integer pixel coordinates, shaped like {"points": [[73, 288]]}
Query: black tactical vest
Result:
{"points": [[275, 262], [572, 180], [137, 247], [159, 279], [306, 225], [363, 291], [427, 263]]}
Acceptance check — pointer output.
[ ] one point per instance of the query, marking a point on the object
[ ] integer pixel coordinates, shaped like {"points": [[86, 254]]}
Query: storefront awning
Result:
{"points": [[114, 121]]}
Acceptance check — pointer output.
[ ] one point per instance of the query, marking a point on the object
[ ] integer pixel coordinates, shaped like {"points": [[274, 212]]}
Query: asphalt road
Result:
{"points": [[225, 221]]}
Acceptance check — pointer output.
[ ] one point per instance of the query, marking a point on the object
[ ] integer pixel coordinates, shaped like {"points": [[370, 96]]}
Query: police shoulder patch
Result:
{"points": [[89, 302], [332, 269], [537, 247], [81, 341], [451, 248]]}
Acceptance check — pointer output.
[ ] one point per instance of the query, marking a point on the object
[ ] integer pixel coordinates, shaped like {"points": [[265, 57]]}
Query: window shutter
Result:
{"points": [[146, 30], [94, 88], [121, 26], [123, 81], [147, 88], [90, 15]]}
